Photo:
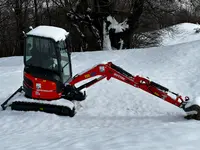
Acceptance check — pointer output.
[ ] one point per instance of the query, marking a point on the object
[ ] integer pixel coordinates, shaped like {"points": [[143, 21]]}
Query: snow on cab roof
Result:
{"points": [[52, 32]]}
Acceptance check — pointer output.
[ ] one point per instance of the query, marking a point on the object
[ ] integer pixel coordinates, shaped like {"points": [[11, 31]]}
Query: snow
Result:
{"points": [[118, 27], [193, 102], [61, 101], [114, 115], [52, 32], [184, 32]]}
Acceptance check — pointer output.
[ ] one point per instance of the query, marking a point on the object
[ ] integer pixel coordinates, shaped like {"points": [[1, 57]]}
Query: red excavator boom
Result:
{"points": [[110, 70]]}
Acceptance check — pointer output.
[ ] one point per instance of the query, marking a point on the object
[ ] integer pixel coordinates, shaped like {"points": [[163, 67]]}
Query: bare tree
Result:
{"points": [[36, 13], [127, 23]]}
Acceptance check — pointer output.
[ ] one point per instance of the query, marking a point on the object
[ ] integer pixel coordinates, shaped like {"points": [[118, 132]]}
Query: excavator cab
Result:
{"points": [[47, 63]]}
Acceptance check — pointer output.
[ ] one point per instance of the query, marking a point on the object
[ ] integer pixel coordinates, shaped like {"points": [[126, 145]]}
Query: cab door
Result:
{"points": [[65, 61]]}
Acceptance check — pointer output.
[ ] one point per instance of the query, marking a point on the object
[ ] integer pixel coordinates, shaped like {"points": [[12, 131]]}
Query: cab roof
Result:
{"points": [[55, 33]]}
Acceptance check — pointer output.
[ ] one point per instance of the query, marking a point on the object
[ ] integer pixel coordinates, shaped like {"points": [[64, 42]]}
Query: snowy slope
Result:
{"points": [[114, 115], [183, 33]]}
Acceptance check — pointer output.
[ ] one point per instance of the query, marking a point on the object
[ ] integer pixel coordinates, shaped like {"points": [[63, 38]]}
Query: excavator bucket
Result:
{"points": [[192, 109], [193, 112]]}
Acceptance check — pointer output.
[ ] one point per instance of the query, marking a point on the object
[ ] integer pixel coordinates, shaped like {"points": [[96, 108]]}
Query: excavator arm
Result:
{"points": [[110, 70]]}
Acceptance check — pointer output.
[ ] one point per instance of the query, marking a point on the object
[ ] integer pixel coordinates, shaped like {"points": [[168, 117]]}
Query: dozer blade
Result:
{"points": [[48, 108], [4, 105]]}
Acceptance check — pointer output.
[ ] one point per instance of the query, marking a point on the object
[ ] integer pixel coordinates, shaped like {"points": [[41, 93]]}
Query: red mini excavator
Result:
{"points": [[48, 77]]}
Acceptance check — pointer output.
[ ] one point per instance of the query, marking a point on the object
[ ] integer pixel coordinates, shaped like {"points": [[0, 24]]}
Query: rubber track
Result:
{"points": [[48, 108]]}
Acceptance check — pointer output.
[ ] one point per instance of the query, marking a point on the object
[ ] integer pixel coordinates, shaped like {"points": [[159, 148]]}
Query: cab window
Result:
{"points": [[41, 52], [65, 61]]}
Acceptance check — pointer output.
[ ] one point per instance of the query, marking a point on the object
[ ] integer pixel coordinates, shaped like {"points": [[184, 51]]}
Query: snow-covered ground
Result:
{"points": [[115, 115], [183, 33]]}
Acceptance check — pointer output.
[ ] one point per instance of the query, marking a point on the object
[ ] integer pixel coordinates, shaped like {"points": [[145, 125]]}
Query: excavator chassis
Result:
{"points": [[35, 106]]}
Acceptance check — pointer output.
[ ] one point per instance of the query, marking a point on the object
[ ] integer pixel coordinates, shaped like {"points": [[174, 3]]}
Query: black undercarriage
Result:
{"points": [[48, 108], [36, 106]]}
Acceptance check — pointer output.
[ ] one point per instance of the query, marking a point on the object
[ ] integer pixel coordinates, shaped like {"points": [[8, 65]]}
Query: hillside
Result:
{"points": [[181, 33], [114, 115]]}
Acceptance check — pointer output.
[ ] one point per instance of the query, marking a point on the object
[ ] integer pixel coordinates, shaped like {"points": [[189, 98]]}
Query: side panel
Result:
{"points": [[37, 85]]}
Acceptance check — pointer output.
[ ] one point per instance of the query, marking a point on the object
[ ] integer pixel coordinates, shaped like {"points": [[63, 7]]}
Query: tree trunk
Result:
{"points": [[133, 20], [48, 11], [19, 25], [36, 13]]}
